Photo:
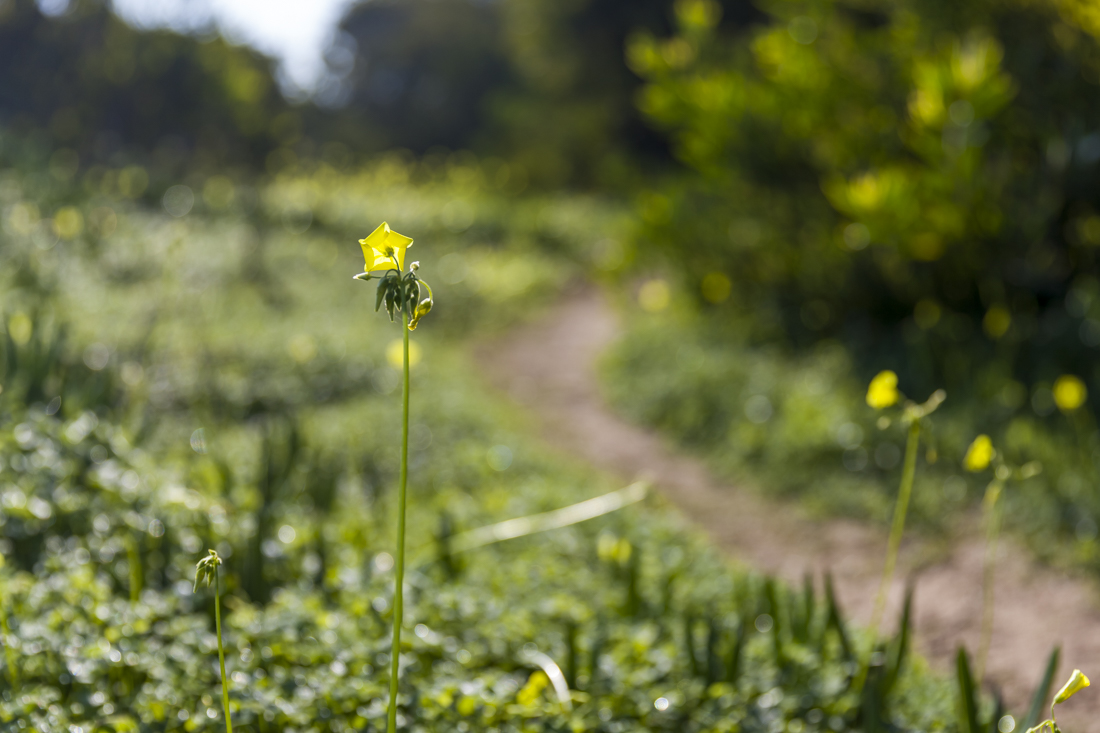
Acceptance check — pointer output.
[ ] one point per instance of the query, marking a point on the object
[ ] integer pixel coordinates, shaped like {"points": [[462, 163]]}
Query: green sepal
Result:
{"points": [[381, 294]]}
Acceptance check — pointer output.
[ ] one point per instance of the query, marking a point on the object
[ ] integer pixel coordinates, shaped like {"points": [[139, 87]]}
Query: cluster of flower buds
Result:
{"points": [[401, 291], [206, 569]]}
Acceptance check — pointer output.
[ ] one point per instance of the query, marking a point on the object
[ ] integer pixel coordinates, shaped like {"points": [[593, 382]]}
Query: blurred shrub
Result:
{"points": [[915, 180], [88, 82], [543, 84]]}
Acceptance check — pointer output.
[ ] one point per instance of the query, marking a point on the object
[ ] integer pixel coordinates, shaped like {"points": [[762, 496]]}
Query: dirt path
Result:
{"points": [[549, 367]]}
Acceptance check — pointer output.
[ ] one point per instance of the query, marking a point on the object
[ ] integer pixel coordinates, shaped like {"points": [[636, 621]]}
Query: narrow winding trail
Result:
{"points": [[549, 367]]}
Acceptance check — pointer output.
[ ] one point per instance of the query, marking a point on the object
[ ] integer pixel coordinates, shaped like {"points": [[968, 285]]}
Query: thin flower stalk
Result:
{"points": [[979, 456], [207, 571], [881, 394], [897, 527], [991, 508], [405, 293], [9, 652], [399, 580]]}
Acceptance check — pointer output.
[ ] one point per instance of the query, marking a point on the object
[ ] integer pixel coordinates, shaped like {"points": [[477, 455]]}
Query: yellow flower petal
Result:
{"points": [[1069, 393], [980, 454], [883, 390], [1077, 682], [381, 246]]}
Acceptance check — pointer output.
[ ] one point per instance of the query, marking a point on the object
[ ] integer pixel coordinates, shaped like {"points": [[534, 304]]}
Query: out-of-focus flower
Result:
{"points": [[883, 391], [536, 683], [1069, 393], [980, 454]]}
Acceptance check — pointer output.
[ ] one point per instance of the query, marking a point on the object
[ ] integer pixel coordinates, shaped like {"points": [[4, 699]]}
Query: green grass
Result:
{"points": [[225, 384]]}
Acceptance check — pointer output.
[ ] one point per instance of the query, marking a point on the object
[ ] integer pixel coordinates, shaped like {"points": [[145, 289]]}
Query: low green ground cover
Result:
{"points": [[217, 380]]}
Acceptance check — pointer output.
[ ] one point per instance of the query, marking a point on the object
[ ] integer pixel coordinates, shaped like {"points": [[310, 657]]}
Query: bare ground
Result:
{"points": [[549, 367]]}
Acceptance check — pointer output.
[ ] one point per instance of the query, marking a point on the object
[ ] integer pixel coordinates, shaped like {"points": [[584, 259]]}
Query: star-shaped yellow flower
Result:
{"points": [[382, 246]]}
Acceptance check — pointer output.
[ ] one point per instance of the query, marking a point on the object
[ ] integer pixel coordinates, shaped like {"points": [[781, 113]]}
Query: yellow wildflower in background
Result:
{"points": [[1069, 393], [530, 693], [654, 296], [395, 354], [883, 391], [980, 454], [381, 246], [1076, 683]]}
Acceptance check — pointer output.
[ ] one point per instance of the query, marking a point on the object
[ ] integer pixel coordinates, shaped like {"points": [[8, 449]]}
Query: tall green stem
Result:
{"points": [[909, 470], [901, 508], [133, 558], [992, 507], [399, 580], [221, 652], [9, 653]]}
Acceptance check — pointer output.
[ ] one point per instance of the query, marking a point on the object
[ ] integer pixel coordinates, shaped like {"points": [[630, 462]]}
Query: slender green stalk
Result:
{"points": [[909, 470], [9, 653], [901, 508], [221, 652], [992, 507], [399, 579], [133, 559]]}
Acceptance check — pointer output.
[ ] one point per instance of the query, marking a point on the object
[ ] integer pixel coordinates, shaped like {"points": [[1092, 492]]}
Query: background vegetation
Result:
{"points": [[788, 197]]}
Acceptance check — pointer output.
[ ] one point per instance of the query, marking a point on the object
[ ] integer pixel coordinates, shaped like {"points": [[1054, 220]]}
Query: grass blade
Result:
{"points": [[968, 705], [835, 619], [1042, 693], [895, 658]]}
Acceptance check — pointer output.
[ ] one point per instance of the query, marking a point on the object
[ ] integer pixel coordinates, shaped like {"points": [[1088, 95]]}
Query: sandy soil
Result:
{"points": [[549, 368]]}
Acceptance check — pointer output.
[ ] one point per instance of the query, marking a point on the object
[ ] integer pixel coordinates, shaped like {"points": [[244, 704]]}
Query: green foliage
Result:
{"points": [[796, 425], [228, 429], [913, 180], [98, 89]]}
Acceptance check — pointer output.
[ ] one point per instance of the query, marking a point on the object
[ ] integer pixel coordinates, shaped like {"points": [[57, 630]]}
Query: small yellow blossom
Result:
{"points": [[883, 391], [536, 683], [382, 246], [1069, 393], [654, 296], [1076, 683], [980, 454]]}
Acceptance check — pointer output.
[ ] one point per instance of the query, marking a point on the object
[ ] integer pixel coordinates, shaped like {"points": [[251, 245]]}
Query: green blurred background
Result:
{"points": [[784, 196], [825, 187]]}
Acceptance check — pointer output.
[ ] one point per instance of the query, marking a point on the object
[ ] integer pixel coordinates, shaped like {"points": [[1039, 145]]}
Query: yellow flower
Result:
{"points": [[1077, 682], [1069, 393], [883, 391], [536, 683], [381, 247], [980, 454]]}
